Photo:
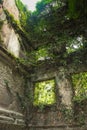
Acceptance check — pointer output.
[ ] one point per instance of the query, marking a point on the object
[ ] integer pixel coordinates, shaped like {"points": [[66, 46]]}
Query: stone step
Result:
{"points": [[11, 113]]}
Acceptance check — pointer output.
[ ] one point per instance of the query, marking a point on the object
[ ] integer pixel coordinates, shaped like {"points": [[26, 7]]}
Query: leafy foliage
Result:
{"points": [[24, 14], [75, 44], [80, 86], [44, 93], [43, 25], [76, 8], [41, 54]]}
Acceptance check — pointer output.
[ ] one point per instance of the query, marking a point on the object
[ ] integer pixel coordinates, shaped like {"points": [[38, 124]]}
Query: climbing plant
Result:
{"points": [[24, 14], [80, 86]]}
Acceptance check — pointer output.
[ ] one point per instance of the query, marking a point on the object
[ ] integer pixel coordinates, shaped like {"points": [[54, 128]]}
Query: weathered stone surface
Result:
{"points": [[10, 39], [2, 15], [59, 127], [63, 83], [54, 116], [65, 88], [11, 117], [4, 126], [13, 44], [77, 128], [51, 118], [10, 84], [11, 7], [10, 113]]}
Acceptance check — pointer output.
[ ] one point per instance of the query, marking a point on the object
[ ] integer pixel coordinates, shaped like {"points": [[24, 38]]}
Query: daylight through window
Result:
{"points": [[44, 93]]}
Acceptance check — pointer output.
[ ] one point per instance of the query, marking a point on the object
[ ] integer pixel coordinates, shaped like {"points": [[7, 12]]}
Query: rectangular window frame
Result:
{"points": [[42, 80]]}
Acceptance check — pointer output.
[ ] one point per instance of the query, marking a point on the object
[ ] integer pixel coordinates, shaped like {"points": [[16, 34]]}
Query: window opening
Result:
{"points": [[44, 93]]}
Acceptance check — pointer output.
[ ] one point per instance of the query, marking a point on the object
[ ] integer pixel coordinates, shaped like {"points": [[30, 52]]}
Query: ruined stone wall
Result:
{"points": [[11, 7], [61, 115], [9, 38], [11, 78], [11, 85], [53, 116]]}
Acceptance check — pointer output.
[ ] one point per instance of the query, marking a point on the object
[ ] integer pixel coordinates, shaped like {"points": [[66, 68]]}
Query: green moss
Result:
{"points": [[18, 29]]}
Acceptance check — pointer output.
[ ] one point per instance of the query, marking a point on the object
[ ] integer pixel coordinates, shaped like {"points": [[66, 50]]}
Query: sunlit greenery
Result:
{"points": [[44, 93], [74, 44], [43, 25], [24, 14], [41, 54], [80, 86]]}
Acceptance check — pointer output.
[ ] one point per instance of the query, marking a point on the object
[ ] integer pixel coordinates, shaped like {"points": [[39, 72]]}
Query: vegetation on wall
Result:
{"points": [[80, 86], [53, 31], [54, 25], [19, 29], [47, 24], [24, 13]]}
